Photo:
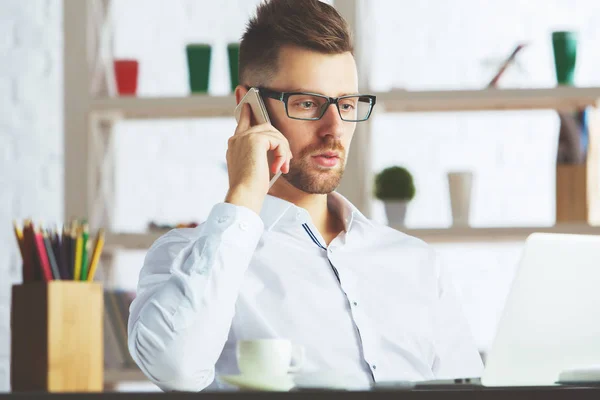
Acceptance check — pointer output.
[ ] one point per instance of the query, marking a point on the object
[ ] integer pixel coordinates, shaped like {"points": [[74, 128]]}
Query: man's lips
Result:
{"points": [[328, 154], [327, 159]]}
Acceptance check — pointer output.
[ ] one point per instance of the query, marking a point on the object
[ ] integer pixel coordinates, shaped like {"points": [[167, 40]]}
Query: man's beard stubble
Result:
{"points": [[304, 176]]}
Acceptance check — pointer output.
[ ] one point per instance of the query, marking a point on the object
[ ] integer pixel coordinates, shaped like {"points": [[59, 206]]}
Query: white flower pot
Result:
{"points": [[395, 211], [460, 187]]}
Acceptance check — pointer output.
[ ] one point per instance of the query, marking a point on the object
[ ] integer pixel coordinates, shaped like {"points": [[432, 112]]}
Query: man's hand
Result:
{"points": [[247, 161]]}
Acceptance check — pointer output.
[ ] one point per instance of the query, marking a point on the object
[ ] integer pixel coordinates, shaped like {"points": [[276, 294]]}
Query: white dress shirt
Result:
{"points": [[372, 306]]}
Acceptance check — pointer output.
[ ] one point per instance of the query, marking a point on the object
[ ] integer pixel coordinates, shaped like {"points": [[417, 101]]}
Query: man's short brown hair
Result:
{"points": [[309, 24]]}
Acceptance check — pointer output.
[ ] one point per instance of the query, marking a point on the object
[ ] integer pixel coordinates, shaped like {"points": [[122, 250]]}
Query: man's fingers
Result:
{"points": [[244, 122], [266, 127], [281, 153], [275, 141], [284, 145]]}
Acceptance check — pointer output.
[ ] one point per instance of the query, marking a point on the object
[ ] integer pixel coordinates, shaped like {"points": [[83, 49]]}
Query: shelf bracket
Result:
{"points": [[102, 169]]}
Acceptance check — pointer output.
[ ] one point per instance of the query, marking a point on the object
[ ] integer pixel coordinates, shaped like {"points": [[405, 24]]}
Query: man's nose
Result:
{"points": [[331, 123]]}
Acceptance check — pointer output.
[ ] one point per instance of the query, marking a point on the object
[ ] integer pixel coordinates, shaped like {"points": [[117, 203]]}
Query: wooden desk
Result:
{"points": [[529, 393]]}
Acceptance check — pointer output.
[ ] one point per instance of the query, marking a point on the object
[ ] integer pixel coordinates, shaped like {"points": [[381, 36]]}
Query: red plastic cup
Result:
{"points": [[126, 74]]}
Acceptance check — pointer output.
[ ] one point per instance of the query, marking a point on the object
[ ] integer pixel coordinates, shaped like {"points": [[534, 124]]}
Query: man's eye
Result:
{"points": [[347, 107], [307, 104]]}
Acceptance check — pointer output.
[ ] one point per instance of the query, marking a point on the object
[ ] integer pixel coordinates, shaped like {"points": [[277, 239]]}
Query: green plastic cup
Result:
{"points": [[564, 45], [233, 53], [198, 61]]}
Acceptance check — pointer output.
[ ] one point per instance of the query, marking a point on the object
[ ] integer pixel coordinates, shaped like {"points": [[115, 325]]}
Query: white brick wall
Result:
{"points": [[30, 134]]}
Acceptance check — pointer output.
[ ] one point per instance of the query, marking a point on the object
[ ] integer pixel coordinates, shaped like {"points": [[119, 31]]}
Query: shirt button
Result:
{"points": [[243, 226], [222, 219], [298, 215], [374, 366], [354, 303]]}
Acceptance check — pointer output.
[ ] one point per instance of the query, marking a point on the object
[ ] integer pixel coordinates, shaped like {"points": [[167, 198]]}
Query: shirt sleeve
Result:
{"points": [[457, 355], [189, 283]]}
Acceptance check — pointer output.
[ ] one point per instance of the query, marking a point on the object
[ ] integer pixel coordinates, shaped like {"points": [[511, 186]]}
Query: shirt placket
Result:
{"points": [[360, 320]]}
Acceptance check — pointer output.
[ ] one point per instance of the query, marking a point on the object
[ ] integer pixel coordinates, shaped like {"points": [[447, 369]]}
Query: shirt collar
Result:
{"points": [[276, 211]]}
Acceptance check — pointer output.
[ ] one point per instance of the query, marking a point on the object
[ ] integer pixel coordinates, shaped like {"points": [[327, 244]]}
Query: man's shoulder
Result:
{"points": [[389, 234], [399, 250], [379, 231]]}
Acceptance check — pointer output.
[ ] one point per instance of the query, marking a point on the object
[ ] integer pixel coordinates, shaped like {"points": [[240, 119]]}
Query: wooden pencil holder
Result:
{"points": [[57, 337]]}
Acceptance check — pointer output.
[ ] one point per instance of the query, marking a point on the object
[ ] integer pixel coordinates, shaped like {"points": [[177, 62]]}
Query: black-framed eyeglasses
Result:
{"points": [[312, 106]]}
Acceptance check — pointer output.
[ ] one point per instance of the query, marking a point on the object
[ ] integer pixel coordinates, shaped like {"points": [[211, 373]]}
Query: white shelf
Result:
{"points": [[487, 99], [143, 241], [508, 234], [112, 376], [140, 241], [198, 106]]}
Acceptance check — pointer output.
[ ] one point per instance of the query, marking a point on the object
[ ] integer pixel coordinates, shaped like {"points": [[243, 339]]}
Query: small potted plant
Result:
{"points": [[395, 187]]}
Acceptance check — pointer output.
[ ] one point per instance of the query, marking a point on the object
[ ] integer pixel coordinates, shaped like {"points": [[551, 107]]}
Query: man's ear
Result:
{"points": [[240, 92]]}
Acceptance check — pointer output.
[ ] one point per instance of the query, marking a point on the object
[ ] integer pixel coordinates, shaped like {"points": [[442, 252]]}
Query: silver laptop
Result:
{"points": [[551, 320], [550, 327]]}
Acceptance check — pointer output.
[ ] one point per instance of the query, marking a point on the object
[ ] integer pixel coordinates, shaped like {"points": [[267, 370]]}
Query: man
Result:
{"points": [[296, 261]]}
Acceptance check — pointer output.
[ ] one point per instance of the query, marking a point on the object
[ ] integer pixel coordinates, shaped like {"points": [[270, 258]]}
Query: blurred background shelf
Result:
{"points": [[143, 241], [196, 106], [117, 375], [199, 106], [139, 241], [507, 234], [568, 98]]}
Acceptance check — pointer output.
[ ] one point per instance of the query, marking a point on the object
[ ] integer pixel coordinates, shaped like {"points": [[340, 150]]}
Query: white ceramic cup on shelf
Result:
{"points": [[269, 357], [460, 184]]}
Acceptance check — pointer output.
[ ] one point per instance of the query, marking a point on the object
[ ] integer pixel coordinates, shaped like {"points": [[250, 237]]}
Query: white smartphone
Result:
{"points": [[260, 115], [256, 104]]}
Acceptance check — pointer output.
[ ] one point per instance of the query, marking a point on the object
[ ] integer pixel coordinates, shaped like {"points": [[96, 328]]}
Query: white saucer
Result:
{"points": [[282, 383], [328, 380]]}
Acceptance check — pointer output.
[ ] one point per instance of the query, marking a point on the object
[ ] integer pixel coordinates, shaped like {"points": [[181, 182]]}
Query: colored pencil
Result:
{"points": [[65, 252], [19, 236], [55, 241], [74, 227], [51, 257], [78, 252], [31, 251], [42, 256], [96, 254], [27, 271], [84, 253], [52, 253]]}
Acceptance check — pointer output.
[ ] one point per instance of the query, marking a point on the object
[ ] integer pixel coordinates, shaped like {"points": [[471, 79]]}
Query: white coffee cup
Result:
{"points": [[269, 357], [461, 186]]}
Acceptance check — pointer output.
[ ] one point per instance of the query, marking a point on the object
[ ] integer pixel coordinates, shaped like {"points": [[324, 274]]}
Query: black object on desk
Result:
{"points": [[466, 393]]}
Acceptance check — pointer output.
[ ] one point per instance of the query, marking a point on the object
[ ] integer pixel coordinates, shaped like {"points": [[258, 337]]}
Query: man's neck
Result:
{"points": [[325, 220]]}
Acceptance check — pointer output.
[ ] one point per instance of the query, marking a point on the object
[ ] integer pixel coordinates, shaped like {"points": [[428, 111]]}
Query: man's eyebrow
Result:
{"points": [[317, 92], [349, 94]]}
